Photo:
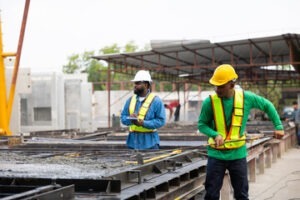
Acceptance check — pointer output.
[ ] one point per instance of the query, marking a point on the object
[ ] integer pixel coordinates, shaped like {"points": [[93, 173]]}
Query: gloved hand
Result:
{"points": [[278, 134]]}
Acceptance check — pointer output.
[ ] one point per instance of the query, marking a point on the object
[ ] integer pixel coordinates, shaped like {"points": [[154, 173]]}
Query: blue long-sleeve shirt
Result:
{"points": [[154, 119]]}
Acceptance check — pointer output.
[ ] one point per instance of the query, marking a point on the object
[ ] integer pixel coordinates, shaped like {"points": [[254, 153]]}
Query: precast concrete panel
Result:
{"points": [[58, 102], [86, 107], [117, 98], [39, 104], [23, 80], [23, 85], [41, 92], [72, 103], [100, 109]]}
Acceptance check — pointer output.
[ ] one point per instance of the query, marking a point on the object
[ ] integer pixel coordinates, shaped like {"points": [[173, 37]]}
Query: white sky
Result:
{"points": [[58, 28]]}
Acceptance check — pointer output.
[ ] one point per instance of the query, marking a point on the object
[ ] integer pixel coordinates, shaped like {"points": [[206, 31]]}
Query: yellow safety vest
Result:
{"points": [[141, 113], [236, 122]]}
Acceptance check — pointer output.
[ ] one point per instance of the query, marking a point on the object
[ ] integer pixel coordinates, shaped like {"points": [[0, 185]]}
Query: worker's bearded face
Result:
{"points": [[140, 88], [139, 91]]}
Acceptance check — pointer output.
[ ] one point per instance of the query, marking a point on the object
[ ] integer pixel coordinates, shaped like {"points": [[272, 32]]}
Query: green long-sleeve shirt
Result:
{"points": [[251, 100]]}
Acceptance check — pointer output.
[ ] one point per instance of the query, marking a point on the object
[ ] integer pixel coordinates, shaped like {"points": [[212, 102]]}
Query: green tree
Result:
{"points": [[97, 71], [130, 47], [72, 65], [96, 74], [78, 63], [114, 48]]}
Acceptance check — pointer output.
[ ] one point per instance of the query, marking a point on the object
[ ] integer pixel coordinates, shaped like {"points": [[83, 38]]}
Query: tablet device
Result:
{"points": [[132, 118]]}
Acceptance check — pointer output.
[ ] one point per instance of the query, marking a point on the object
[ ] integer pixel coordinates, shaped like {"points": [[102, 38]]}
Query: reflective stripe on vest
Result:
{"points": [[141, 113], [236, 121]]}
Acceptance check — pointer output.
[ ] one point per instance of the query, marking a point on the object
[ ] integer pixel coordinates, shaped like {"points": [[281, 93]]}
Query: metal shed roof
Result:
{"points": [[195, 60]]}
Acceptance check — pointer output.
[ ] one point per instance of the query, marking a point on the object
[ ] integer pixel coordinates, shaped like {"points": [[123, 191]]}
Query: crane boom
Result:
{"points": [[7, 104]]}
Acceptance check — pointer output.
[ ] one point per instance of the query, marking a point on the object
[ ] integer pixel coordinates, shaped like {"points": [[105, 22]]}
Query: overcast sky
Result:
{"points": [[57, 29]]}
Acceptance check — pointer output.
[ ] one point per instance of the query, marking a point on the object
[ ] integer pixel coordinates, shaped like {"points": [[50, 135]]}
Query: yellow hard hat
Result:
{"points": [[223, 74]]}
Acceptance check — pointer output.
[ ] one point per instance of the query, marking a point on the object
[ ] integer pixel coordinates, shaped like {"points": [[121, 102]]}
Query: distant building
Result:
{"points": [[57, 101]]}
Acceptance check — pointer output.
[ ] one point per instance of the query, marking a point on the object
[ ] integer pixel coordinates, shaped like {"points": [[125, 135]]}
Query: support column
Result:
{"points": [[252, 170]]}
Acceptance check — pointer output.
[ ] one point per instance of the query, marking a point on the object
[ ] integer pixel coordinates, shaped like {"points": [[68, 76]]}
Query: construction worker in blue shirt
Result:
{"points": [[144, 113], [223, 119]]}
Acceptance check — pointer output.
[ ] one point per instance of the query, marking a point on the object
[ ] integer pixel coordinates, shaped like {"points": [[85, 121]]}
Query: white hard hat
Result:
{"points": [[142, 75]]}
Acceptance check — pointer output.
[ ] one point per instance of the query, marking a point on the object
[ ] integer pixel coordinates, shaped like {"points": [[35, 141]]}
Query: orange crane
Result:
{"points": [[6, 101]]}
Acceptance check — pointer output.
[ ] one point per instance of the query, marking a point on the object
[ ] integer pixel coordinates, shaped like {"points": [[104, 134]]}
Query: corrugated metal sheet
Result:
{"points": [[195, 60]]}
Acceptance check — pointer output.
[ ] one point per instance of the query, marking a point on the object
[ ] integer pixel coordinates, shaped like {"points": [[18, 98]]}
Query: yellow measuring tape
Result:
{"points": [[178, 151]]}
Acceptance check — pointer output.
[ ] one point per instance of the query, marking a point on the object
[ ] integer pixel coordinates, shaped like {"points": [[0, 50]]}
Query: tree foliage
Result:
{"points": [[97, 71]]}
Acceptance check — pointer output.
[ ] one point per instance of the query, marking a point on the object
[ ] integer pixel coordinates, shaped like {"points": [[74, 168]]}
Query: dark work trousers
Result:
{"points": [[177, 113], [215, 172], [298, 133]]}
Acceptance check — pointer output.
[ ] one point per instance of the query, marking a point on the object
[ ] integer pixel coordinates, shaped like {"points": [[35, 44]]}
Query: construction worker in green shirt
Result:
{"points": [[223, 118]]}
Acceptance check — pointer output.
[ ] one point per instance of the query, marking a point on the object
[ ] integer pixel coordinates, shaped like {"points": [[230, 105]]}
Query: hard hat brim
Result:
{"points": [[216, 83], [133, 80]]}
